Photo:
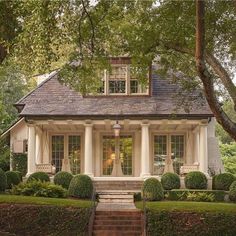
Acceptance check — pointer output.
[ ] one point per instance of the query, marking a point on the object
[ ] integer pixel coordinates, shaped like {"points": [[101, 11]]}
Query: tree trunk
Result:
{"points": [[3, 53], [206, 78]]}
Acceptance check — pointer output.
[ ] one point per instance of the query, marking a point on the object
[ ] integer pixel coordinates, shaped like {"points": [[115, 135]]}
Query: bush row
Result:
{"points": [[20, 219], [190, 223]]}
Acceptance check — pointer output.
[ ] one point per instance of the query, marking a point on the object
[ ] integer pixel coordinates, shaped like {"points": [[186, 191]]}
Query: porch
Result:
{"points": [[144, 147]]}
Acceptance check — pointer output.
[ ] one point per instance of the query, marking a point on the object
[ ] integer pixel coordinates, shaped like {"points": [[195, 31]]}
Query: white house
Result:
{"points": [[77, 133]]}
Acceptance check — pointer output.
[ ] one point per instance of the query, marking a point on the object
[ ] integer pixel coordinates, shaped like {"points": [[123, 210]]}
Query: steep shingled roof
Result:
{"points": [[52, 98]]}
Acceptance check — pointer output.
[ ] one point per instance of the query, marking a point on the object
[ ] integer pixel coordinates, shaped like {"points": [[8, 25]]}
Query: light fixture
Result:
{"points": [[117, 127]]}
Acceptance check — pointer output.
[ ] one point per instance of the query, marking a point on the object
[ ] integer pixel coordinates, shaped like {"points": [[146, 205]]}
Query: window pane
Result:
{"points": [[74, 149], [126, 154], [57, 151], [118, 72], [177, 151], [117, 86], [108, 154], [133, 86], [160, 154]]}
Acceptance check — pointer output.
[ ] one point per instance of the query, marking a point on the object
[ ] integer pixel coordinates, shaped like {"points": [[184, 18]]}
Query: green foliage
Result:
{"points": [[152, 190], [42, 176], [4, 153], [228, 155], [201, 195], [170, 181], [190, 223], [195, 180], [232, 192], [223, 181], [3, 181], [19, 163], [44, 220], [19, 175], [63, 178], [38, 188], [12, 179], [81, 186]]}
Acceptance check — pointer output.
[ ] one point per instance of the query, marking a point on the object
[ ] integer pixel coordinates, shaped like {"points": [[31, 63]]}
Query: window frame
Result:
{"points": [[168, 135]]}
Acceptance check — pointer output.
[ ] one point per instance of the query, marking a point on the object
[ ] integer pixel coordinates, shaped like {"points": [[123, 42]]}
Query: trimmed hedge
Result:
{"points": [[42, 176], [195, 180], [12, 179], [170, 181], [21, 219], [232, 192], [63, 178], [81, 186], [37, 188], [190, 223], [3, 181], [201, 195], [19, 175], [223, 181], [152, 190]]}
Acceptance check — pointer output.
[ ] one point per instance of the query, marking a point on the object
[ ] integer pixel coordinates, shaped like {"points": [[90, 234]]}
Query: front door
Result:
{"points": [[117, 155]]}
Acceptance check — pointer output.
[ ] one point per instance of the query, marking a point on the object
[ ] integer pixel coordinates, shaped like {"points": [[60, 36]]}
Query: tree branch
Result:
{"points": [[204, 74]]}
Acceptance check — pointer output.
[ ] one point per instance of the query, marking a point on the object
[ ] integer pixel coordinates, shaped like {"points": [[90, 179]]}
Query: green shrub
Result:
{"points": [[81, 186], [182, 194], [63, 178], [38, 188], [19, 175], [170, 181], [19, 163], [195, 180], [137, 197], [223, 181], [42, 176], [152, 190], [232, 192], [200, 197], [3, 181], [12, 179]]}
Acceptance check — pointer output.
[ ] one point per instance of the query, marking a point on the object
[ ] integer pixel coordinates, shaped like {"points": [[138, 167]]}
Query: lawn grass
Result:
{"points": [[6, 198], [189, 206]]}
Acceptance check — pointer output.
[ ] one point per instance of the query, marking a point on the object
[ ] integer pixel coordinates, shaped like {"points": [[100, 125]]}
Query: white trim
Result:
{"points": [[12, 127]]}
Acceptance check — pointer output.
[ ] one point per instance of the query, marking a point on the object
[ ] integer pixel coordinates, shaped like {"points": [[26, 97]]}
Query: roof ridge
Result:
{"points": [[38, 86]]}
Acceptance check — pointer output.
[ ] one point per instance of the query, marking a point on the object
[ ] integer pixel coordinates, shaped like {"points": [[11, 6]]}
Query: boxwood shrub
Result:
{"points": [[3, 181], [19, 175], [42, 176], [12, 179], [81, 186], [232, 192], [223, 181], [63, 178], [195, 180], [170, 181], [152, 190], [38, 188]]}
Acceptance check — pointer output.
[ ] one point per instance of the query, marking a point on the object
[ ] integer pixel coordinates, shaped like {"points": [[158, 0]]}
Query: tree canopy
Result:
{"points": [[44, 35]]}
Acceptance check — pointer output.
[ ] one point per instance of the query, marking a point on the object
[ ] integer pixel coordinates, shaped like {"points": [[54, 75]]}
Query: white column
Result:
{"points": [[31, 151], [196, 147], [88, 150], [45, 148], [38, 147], [189, 149], [203, 153], [145, 152]]}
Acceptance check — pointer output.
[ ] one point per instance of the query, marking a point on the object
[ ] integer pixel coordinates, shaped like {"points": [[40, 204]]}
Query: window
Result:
{"points": [[64, 146], [57, 151], [120, 81], [168, 150], [74, 154]]}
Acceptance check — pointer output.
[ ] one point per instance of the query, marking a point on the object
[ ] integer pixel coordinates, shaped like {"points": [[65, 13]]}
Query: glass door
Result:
{"points": [[117, 155]]}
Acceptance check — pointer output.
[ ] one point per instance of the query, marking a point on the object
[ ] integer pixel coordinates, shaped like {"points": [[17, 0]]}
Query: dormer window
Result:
{"points": [[121, 81]]}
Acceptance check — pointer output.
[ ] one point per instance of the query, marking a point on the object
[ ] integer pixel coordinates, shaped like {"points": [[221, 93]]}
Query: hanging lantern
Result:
{"points": [[117, 127]]}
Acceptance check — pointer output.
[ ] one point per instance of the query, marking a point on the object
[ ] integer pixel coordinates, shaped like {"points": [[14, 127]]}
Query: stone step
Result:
{"points": [[118, 227], [134, 212], [115, 195], [118, 185], [117, 218], [115, 200], [116, 233], [118, 222]]}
